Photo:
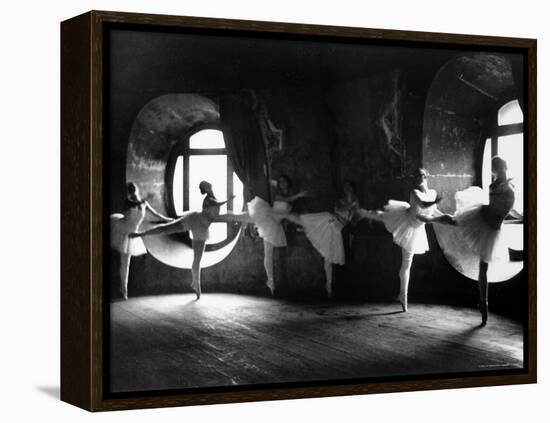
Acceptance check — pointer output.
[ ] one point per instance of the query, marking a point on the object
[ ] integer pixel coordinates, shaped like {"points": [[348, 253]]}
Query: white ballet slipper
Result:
{"points": [[124, 293], [402, 299], [328, 288], [271, 285], [196, 288]]}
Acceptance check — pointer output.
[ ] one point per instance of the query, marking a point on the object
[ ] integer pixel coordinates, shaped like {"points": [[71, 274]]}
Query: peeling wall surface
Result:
{"points": [[367, 114], [462, 99]]}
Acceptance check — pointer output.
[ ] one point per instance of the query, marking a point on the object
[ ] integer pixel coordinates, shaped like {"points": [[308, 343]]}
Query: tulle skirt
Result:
{"points": [[197, 223], [120, 228], [324, 232], [473, 235], [267, 221], [408, 232]]}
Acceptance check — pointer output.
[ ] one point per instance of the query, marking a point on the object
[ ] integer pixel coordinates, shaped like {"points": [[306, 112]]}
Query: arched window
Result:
{"points": [[202, 155], [506, 140]]}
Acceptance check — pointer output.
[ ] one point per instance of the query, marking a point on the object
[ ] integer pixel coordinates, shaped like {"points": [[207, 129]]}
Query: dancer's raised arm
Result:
{"points": [[151, 210], [291, 198]]}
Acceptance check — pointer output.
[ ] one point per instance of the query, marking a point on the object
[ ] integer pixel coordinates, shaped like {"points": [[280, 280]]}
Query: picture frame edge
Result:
{"points": [[82, 373]]}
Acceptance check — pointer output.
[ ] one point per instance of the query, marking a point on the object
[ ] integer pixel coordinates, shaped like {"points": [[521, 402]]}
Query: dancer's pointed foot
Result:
{"points": [[124, 293], [197, 288], [484, 310], [328, 288], [402, 299], [271, 285]]}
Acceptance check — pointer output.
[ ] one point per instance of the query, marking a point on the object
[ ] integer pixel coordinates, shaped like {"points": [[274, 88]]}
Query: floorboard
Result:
{"points": [[174, 341]]}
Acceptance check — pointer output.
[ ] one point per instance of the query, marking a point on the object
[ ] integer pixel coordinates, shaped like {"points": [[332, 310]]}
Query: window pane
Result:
{"points": [[238, 192], [207, 138], [211, 168], [510, 148], [510, 113], [486, 166], [177, 186]]}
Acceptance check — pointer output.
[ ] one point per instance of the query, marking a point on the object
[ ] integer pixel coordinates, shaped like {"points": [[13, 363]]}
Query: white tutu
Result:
{"points": [[473, 235], [324, 232], [268, 222], [122, 226], [408, 232], [198, 223]]}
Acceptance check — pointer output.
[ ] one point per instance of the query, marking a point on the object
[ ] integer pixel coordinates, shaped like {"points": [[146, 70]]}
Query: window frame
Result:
{"points": [[497, 130], [182, 148], [493, 131]]}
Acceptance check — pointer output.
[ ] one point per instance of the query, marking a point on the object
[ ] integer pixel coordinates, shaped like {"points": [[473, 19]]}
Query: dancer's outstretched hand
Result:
{"points": [[368, 214]]}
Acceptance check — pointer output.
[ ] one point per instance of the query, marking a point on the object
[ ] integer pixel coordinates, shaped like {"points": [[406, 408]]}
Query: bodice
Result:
{"points": [[135, 215], [416, 199], [501, 201], [282, 206], [210, 207], [346, 208], [502, 197]]}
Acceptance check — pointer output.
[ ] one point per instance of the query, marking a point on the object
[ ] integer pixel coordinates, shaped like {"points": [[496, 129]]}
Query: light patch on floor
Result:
{"points": [[175, 341]]}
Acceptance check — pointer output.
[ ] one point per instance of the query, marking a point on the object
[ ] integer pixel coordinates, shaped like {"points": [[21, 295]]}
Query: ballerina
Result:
{"points": [[348, 198], [268, 221], [324, 231], [406, 222], [198, 224], [122, 225], [478, 225]]}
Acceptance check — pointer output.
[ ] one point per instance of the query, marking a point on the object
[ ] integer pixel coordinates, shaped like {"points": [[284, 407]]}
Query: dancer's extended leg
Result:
{"points": [[268, 265], [234, 217], [124, 271], [198, 250], [370, 214], [404, 276], [328, 273], [294, 218], [179, 225]]}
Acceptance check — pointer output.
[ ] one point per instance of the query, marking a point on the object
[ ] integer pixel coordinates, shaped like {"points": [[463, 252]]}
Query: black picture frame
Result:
{"points": [[83, 206]]}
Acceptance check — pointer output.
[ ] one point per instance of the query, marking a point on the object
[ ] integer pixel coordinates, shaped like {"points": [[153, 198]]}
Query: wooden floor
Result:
{"points": [[173, 341]]}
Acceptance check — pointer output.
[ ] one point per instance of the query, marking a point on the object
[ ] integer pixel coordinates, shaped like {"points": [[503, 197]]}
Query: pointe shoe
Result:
{"points": [[484, 310], [271, 285], [401, 299], [124, 293], [197, 289], [328, 288]]}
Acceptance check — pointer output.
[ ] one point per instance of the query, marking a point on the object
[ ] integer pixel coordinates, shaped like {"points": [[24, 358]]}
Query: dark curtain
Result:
{"points": [[518, 75], [244, 144]]}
